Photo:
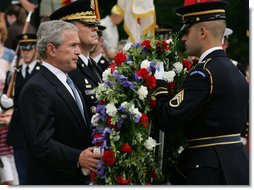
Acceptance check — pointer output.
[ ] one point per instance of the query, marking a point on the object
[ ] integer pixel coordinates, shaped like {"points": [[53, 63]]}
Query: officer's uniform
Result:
{"points": [[211, 110], [15, 135], [86, 78], [100, 59]]}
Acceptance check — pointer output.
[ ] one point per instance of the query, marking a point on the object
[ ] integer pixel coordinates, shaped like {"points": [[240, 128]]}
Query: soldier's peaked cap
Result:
{"points": [[81, 10], [201, 12], [27, 41]]}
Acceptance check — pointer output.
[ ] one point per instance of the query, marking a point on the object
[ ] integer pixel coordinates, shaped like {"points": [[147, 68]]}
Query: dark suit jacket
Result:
{"points": [[86, 80], [15, 134], [54, 130], [213, 103]]}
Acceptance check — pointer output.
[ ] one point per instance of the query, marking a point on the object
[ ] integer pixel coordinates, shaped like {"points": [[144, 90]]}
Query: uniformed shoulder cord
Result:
{"points": [[210, 74]]}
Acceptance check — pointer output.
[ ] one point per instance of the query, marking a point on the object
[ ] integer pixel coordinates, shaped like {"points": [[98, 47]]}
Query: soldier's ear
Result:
{"points": [[203, 32]]}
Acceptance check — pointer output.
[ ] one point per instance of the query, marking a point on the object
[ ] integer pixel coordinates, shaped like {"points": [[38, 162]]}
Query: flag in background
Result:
{"points": [[139, 18]]}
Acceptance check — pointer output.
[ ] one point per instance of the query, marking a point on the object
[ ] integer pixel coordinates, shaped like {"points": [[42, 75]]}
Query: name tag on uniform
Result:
{"points": [[90, 92], [88, 86]]}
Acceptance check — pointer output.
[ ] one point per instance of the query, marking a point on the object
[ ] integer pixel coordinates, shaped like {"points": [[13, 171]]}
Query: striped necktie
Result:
{"points": [[77, 97]]}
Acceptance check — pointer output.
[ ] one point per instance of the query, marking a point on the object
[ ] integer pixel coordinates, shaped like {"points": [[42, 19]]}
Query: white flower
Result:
{"points": [[111, 109], [150, 143], [145, 64], [127, 47], [135, 111], [142, 92], [180, 149], [95, 119], [105, 74], [178, 67], [139, 137], [169, 76], [169, 41]]}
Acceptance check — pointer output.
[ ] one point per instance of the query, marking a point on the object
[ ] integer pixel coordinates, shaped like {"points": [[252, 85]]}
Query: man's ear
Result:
{"points": [[203, 32], [51, 49]]}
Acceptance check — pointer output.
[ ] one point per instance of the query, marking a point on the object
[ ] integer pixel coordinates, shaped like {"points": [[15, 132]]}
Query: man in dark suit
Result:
{"points": [[30, 66], [54, 118], [211, 108], [88, 74]]}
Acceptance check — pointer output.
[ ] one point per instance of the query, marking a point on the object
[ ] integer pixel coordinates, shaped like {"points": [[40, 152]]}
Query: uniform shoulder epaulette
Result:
{"points": [[201, 70]]}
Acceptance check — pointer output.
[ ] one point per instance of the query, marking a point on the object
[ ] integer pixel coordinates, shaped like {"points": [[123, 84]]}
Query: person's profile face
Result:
{"points": [[87, 33]]}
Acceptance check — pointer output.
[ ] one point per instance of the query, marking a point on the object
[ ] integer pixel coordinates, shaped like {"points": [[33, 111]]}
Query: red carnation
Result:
{"points": [[112, 68], [126, 148], [102, 102], [147, 44], [143, 73], [144, 120], [93, 176], [152, 102], [153, 175], [96, 136], [151, 82], [110, 124], [172, 85], [122, 181], [109, 157], [120, 58], [165, 44], [186, 64]]}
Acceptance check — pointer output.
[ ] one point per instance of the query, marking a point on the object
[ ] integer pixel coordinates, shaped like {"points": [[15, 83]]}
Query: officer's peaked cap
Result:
{"points": [[80, 10]]}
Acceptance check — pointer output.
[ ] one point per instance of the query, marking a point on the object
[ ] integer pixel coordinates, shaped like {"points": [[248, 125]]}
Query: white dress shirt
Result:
{"points": [[31, 68], [208, 52]]}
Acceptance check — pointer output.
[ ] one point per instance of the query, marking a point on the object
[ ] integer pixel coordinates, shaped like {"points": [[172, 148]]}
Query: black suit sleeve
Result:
{"points": [[37, 115], [174, 113]]}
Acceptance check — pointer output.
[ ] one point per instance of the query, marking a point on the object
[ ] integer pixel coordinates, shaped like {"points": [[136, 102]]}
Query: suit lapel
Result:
{"points": [[63, 93]]}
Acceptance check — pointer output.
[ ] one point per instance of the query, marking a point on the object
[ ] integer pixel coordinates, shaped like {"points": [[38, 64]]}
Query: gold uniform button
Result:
{"points": [[197, 19], [197, 166], [93, 109]]}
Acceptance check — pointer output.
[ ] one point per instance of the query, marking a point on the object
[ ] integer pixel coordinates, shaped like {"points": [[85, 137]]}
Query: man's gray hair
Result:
{"points": [[51, 32]]}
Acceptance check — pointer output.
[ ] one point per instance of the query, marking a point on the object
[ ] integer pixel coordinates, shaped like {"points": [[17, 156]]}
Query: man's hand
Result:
{"points": [[6, 102], [5, 117], [89, 160]]}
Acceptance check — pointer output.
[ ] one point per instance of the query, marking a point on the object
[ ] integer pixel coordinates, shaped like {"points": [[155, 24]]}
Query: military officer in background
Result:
{"points": [[30, 65], [98, 53], [211, 109], [88, 74]]}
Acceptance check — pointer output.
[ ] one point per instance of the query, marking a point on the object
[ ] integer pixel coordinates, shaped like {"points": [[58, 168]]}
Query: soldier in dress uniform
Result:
{"points": [[98, 53], [88, 74], [30, 65], [211, 108]]}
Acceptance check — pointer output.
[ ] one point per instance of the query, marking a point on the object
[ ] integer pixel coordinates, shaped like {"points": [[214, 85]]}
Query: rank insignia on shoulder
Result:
{"points": [[197, 72], [176, 101]]}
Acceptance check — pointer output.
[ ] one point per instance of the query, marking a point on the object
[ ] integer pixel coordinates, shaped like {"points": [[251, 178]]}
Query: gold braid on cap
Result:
{"points": [[80, 16], [204, 12]]}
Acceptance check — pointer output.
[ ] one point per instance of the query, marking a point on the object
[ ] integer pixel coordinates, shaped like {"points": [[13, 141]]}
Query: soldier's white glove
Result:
{"points": [[6, 102], [159, 71]]}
